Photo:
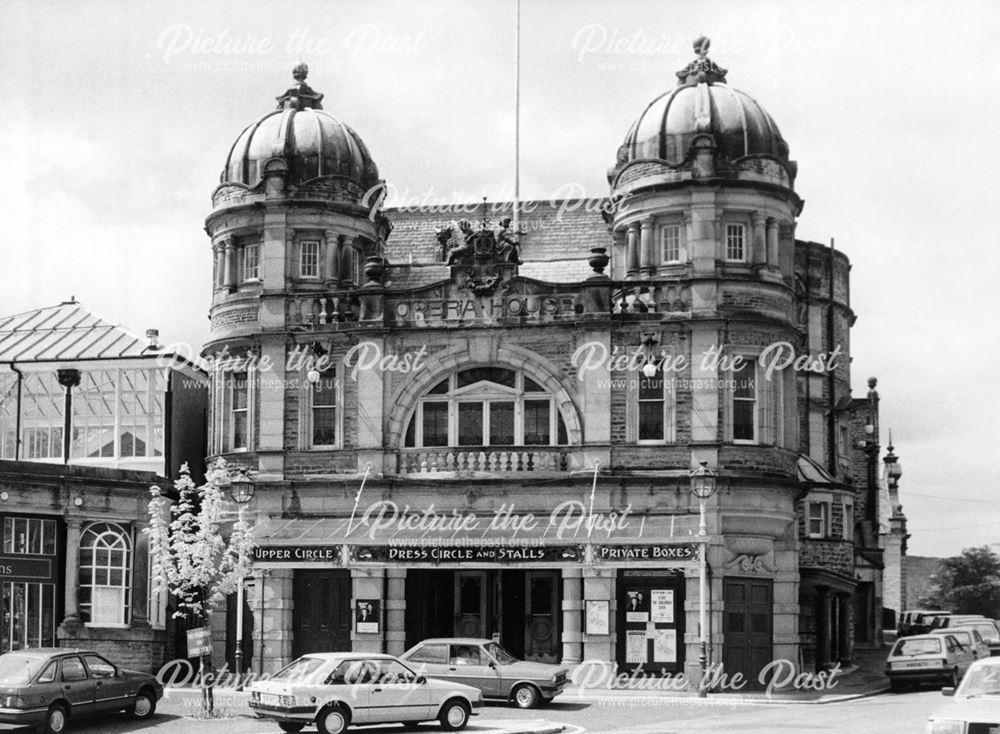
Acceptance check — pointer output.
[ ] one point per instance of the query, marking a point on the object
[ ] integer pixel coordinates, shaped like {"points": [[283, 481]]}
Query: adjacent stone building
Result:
{"points": [[458, 420]]}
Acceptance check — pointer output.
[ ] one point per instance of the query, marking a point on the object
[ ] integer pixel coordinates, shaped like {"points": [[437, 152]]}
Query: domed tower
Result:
{"points": [[703, 225], [294, 218]]}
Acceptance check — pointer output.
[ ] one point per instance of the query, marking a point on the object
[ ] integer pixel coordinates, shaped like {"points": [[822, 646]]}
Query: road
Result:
{"points": [[887, 714]]}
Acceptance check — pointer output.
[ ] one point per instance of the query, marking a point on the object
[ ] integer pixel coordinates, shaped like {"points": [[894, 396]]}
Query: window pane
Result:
{"points": [[435, 427], [439, 389], [239, 430], [324, 426], [325, 391], [470, 424], [501, 423], [491, 374], [651, 388], [651, 420], [743, 420], [743, 378], [239, 390], [532, 386], [536, 423], [409, 441]]}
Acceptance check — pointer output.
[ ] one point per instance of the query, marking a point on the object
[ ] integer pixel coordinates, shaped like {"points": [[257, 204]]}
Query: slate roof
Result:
{"points": [[67, 333]]}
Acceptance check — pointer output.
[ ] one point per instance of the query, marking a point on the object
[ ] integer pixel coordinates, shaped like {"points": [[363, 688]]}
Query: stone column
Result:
{"points": [[685, 249], [599, 584], [822, 627], [332, 257], [140, 578], [395, 611], [220, 264], [618, 255], [646, 266], [71, 612], [758, 255], [844, 630], [632, 251], [274, 636], [230, 268], [772, 243], [572, 616], [720, 237]]}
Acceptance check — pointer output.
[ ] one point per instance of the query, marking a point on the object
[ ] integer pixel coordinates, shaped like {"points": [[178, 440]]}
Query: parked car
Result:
{"points": [[47, 686], [925, 622], [987, 628], [950, 620], [487, 666], [335, 690], [911, 621], [969, 638], [923, 658], [976, 704]]}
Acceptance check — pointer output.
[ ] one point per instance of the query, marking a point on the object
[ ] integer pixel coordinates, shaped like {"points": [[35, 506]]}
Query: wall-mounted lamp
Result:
{"points": [[4, 496], [78, 501]]}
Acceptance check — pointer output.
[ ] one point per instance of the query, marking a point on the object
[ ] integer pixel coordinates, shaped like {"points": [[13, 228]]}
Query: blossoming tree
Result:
{"points": [[191, 558]]}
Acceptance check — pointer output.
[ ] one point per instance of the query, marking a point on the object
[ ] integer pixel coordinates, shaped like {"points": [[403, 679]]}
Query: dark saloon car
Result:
{"points": [[47, 686]]}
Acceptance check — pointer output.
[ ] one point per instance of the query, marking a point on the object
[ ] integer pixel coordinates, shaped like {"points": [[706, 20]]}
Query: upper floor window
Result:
{"points": [[309, 259], [817, 519], [42, 416], [324, 409], [29, 536], [486, 406], [671, 243], [105, 574], [653, 408], [736, 242], [744, 392], [251, 262], [350, 270]]}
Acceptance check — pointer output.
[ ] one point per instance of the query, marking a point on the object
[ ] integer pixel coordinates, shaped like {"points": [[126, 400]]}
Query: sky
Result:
{"points": [[117, 117]]}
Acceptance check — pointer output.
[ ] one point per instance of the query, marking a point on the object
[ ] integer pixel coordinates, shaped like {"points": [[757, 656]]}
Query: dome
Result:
{"points": [[701, 104], [312, 143]]}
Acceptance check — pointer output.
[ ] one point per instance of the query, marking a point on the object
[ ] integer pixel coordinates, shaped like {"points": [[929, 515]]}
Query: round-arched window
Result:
{"points": [[486, 406], [105, 574]]}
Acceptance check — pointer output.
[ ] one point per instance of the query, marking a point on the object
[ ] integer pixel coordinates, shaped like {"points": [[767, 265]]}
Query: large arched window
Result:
{"points": [[486, 406], [105, 574]]}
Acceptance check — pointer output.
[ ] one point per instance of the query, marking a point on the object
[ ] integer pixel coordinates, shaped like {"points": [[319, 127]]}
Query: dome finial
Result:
{"points": [[702, 70], [301, 95]]}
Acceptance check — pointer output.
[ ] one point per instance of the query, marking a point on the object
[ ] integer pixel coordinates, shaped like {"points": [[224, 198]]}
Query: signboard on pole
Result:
{"points": [[199, 641]]}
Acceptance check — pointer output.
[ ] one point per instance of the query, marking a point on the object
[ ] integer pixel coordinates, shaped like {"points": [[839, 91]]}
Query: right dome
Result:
{"points": [[703, 104]]}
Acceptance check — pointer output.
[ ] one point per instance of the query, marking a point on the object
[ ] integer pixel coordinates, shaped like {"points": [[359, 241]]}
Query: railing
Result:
{"points": [[491, 460]]}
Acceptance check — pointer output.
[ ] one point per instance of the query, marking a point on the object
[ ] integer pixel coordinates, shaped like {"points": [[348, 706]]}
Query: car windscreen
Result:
{"points": [[18, 668], [981, 681], [917, 646]]}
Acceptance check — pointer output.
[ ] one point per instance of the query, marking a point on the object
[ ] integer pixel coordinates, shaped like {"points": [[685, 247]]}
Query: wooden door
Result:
{"points": [[541, 616], [747, 644], [470, 603], [322, 615]]}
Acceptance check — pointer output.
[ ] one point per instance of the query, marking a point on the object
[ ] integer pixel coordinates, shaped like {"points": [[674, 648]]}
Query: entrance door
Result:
{"points": [[470, 603], [322, 618], [541, 616], [749, 611]]}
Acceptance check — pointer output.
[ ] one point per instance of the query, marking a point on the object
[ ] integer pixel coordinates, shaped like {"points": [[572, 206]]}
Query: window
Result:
{"points": [[73, 670], [309, 259], [49, 674], [29, 536], [817, 520], [42, 416], [486, 406], [8, 415], [251, 262], [99, 667], [652, 407], [105, 574], [671, 249], [430, 654], [744, 388], [238, 409], [324, 409], [735, 239], [118, 413], [350, 267]]}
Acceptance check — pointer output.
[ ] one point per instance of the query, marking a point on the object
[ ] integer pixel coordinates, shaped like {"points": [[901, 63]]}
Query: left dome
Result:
{"points": [[311, 143]]}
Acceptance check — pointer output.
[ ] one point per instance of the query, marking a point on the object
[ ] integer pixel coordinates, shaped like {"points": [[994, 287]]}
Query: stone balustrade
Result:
{"points": [[489, 460]]}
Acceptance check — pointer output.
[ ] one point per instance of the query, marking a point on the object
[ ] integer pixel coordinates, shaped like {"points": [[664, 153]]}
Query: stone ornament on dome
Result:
{"points": [[300, 96], [702, 70]]}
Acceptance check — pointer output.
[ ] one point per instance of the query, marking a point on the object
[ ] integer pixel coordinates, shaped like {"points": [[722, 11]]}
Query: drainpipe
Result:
{"points": [[17, 415]]}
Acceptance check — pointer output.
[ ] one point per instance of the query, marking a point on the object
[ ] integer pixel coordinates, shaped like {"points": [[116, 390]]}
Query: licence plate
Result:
{"points": [[911, 664], [270, 699]]}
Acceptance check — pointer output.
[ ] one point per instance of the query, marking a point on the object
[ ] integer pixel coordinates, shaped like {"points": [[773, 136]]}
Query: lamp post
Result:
{"points": [[241, 489], [703, 487]]}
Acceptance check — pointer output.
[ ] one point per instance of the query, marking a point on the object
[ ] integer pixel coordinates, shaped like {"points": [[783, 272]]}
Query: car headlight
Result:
{"points": [[945, 726]]}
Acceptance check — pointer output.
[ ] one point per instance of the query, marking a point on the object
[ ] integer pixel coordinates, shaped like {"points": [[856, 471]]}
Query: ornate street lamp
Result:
{"points": [[241, 489], [703, 487]]}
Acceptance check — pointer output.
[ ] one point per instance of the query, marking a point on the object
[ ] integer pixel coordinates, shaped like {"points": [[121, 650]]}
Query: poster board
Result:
{"points": [[598, 617], [366, 616]]}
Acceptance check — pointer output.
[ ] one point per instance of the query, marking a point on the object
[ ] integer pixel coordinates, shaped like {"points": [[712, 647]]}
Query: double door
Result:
{"points": [[322, 619]]}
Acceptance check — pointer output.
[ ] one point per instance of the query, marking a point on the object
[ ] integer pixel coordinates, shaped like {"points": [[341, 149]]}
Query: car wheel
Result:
{"points": [[526, 696], [144, 705], [332, 720], [454, 715], [56, 719], [292, 727]]}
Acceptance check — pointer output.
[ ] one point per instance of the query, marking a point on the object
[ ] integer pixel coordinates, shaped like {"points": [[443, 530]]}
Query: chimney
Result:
{"points": [[153, 336]]}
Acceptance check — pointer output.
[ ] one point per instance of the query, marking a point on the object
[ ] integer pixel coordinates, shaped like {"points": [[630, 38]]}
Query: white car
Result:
{"points": [[976, 705], [969, 638], [338, 689]]}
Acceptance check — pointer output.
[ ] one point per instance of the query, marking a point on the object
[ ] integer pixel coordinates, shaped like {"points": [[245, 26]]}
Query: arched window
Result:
{"points": [[486, 406], [105, 574]]}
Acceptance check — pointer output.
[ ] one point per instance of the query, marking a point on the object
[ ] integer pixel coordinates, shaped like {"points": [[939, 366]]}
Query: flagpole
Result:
{"points": [[517, 119]]}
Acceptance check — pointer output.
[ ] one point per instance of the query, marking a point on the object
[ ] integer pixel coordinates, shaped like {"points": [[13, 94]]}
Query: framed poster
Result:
{"points": [[662, 605], [636, 606], [665, 646], [366, 616], [636, 646], [598, 613]]}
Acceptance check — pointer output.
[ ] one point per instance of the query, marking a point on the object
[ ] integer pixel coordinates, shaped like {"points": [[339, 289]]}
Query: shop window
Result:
{"points": [[105, 574], [736, 242], [29, 536], [486, 406], [818, 519], [309, 259], [324, 409], [670, 244], [744, 401]]}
